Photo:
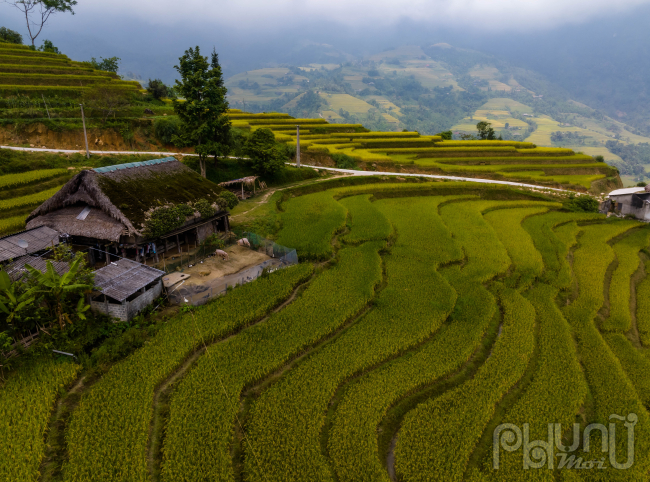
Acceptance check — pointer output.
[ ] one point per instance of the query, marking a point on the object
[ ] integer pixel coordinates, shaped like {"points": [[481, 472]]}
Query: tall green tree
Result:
{"points": [[485, 131], [203, 121], [38, 12]]}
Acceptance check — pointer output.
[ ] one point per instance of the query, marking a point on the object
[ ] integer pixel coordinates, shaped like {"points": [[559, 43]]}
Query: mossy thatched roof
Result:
{"points": [[126, 192]]}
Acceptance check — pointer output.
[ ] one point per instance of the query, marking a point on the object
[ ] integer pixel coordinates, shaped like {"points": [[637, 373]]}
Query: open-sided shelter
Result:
{"points": [[111, 209]]}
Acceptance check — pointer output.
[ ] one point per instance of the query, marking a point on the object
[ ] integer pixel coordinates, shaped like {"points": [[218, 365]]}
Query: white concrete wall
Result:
{"points": [[129, 309]]}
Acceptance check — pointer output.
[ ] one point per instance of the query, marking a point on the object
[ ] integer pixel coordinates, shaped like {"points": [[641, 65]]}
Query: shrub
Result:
{"points": [[48, 47], [10, 36], [165, 129], [582, 204], [343, 161], [111, 64], [204, 208], [446, 135], [228, 199], [213, 242]]}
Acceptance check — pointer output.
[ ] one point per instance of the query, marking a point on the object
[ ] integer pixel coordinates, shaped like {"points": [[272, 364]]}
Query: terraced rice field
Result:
{"points": [[21, 193], [411, 152], [440, 317], [24, 72]]}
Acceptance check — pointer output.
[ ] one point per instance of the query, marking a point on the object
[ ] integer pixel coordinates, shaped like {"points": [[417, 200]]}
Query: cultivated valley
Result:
{"points": [[421, 264]]}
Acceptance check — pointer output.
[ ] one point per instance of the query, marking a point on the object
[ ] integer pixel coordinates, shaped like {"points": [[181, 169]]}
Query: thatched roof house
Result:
{"points": [[113, 206]]}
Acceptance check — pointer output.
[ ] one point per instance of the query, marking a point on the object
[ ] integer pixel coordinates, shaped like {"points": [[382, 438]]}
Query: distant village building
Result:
{"points": [[633, 200], [107, 209]]}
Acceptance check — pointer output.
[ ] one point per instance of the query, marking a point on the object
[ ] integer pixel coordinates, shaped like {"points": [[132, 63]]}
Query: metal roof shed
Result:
{"points": [[126, 288], [27, 242]]}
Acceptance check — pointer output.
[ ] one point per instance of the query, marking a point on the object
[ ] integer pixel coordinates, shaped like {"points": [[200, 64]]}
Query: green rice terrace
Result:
{"points": [[425, 318], [24, 72], [321, 142], [350, 146]]}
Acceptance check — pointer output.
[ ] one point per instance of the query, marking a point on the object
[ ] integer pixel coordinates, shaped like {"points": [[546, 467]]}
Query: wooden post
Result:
{"points": [[108, 256], [178, 244], [137, 253]]}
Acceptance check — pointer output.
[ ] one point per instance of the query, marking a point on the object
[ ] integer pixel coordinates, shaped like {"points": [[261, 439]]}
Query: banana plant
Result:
{"points": [[59, 286], [12, 302]]}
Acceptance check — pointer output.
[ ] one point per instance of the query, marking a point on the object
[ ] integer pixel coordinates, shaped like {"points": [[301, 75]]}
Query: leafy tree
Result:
{"points": [[485, 131], [38, 12], [48, 46], [203, 121], [157, 89], [58, 289], [10, 36], [111, 64], [266, 157], [446, 135]]}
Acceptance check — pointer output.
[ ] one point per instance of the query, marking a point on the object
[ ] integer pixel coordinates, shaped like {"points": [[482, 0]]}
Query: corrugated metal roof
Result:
{"points": [[27, 242], [627, 190], [153, 162], [17, 270], [121, 279]]}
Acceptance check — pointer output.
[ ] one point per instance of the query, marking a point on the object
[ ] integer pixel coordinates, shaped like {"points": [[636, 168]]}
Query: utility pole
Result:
{"points": [[83, 119], [298, 147]]}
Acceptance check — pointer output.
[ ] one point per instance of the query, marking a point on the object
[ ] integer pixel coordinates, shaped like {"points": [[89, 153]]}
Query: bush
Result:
{"points": [[111, 64], [584, 204], [447, 135], [343, 161], [10, 36], [213, 242], [48, 47], [205, 209], [165, 129], [228, 199]]}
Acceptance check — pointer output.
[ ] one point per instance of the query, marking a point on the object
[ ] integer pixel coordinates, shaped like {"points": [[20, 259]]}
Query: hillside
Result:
{"points": [[439, 312], [437, 88]]}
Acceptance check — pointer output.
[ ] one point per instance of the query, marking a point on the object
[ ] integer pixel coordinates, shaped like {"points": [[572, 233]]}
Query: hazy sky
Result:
{"points": [[490, 14], [150, 35]]}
